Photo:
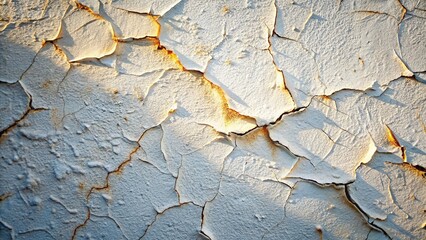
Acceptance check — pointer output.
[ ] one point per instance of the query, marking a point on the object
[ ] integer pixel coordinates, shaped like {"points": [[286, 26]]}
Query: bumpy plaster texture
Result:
{"points": [[186, 119]]}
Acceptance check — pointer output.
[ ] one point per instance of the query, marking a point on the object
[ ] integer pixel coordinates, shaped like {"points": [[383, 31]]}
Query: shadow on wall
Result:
{"points": [[87, 120]]}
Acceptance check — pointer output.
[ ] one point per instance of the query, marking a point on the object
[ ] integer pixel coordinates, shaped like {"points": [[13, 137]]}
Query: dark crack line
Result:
{"points": [[22, 118], [106, 185], [358, 207], [74, 235], [157, 216]]}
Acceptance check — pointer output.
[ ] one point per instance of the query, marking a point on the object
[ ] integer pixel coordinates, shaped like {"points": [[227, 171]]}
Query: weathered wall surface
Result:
{"points": [[188, 119]]}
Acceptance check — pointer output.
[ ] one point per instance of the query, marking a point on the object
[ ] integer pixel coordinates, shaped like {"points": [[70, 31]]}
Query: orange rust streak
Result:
{"points": [[394, 141], [262, 133], [228, 113], [416, 170], [86, 8], [404, 154], [155, 20], [5, 196], [118, 170], [81, 225], [391, 137]]}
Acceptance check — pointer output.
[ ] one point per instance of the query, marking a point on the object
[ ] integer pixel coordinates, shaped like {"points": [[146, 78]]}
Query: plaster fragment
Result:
{"points": [[126, 58], [14, 104], [347, 140], [380, 194], [291, 18], [257, 207], [200, 172], [130, 24], [209, 52], [311, 212], [345, 47], [257, 156], [409, 35], [85, 35]]}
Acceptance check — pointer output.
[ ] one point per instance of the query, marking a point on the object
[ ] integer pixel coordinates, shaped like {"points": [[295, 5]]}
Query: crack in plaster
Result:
{"points": [[391, 137]]}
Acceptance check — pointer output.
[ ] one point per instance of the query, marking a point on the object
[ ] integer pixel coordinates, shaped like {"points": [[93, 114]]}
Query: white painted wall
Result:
{"points": [[187, 119]]}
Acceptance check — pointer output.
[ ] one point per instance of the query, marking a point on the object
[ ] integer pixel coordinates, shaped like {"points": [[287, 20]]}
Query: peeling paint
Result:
{"points": [[190, 119]]}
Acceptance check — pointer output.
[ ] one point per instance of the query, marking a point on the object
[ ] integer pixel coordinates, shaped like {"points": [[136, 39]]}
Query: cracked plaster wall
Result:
{"points": [[187, 119]]}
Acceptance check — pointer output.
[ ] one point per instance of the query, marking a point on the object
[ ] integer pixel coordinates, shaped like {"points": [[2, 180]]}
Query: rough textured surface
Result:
{"points": [[185, 119]]}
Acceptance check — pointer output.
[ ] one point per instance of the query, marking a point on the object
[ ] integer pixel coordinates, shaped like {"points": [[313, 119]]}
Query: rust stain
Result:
{"points": [[318, 228], [156, 41], [225, 10], [74, 234], [46, 84], [391, 137], [58, 50], [5, 196], [114, 91], [370, 12], [361, 61], [325, 98], [415, 170], [404, 10], [394, 141], [117, 171], [86, 8], [170, 55], [403, 154], [271, 143], [155, 21], [261, 133], [230, 115], [4, 135]]}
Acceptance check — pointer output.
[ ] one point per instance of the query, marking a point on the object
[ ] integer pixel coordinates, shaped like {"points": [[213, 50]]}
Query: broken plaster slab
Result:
{"points": [[311, 212], [341, 46], [130, 24], [257, 156], [47, 72], [230, 53], [127, 58], [381, 194], [410, 38], [253, 213], [39, 182], [200, 184], [340, 132], [84, 34], [14, 104]]}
